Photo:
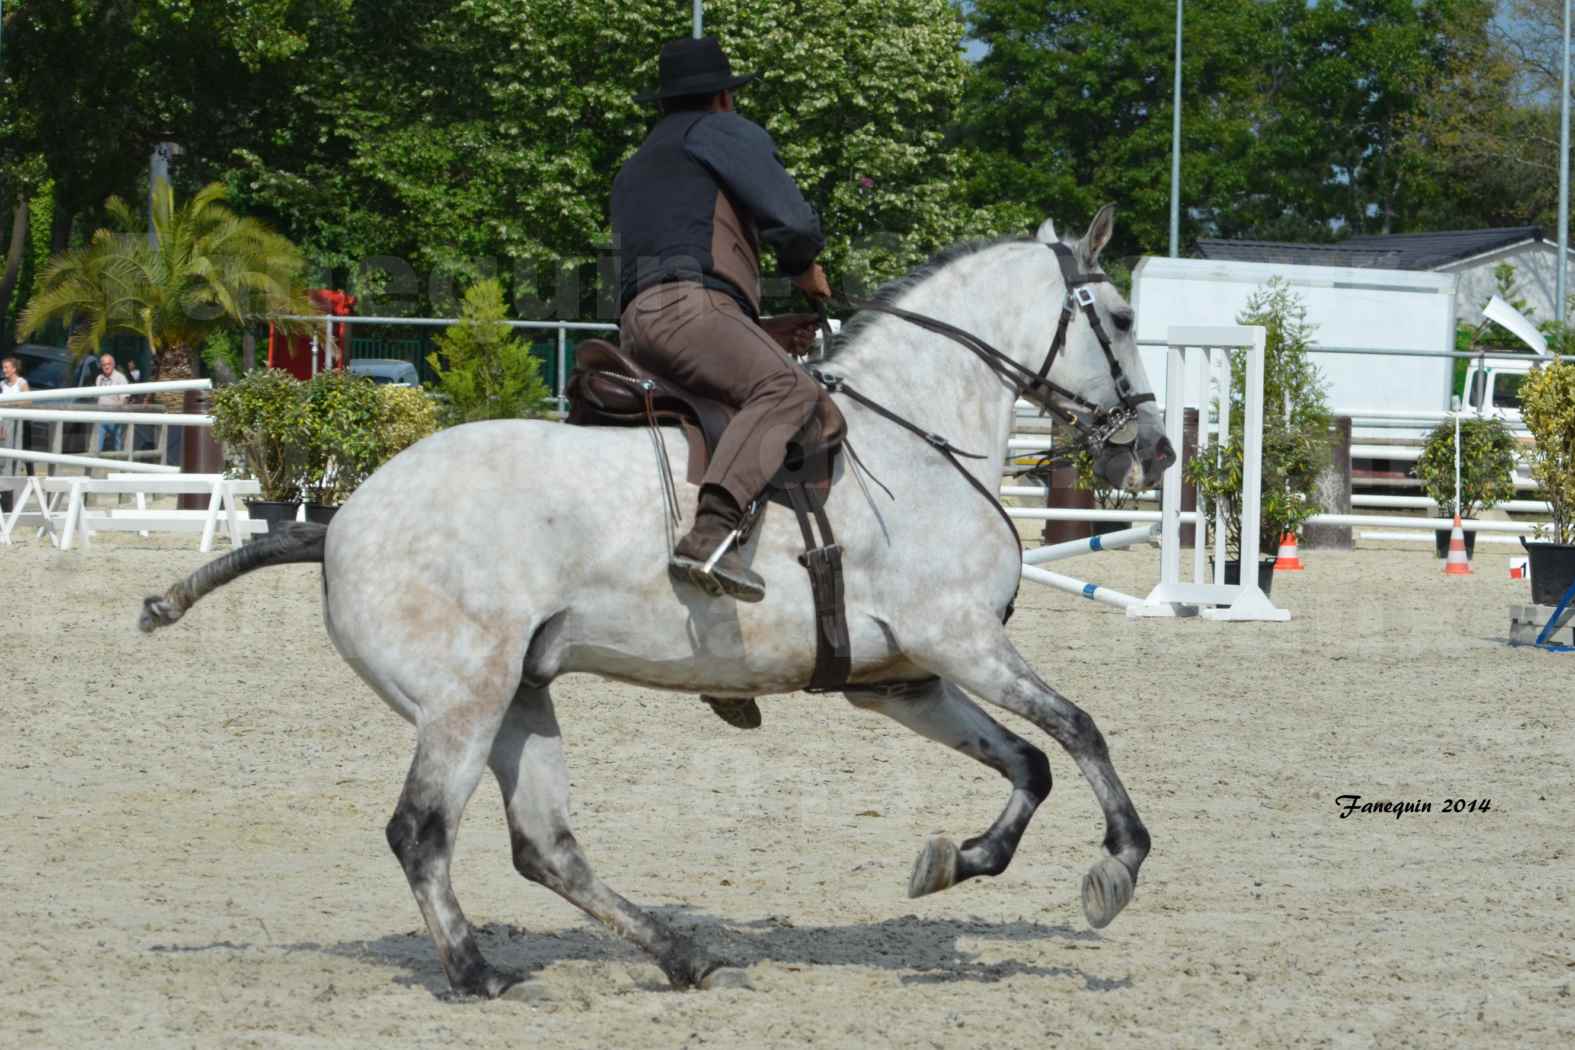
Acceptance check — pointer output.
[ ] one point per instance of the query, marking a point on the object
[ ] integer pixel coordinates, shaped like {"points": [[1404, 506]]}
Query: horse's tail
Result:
{"points": [[283, 545]]}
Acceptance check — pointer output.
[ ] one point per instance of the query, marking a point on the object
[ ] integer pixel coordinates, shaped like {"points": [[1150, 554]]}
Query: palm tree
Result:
{"points": [[210, 269]]}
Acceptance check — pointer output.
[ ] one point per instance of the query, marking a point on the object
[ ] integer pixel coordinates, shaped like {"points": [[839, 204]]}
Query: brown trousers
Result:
{"points": [[704, 341]]}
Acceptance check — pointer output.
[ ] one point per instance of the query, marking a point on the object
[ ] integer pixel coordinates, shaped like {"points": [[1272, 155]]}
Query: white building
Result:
{"points": [[1471, 255]]}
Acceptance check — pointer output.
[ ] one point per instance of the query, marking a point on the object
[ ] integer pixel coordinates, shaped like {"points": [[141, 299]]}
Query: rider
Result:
{"points": [[689, 211]]}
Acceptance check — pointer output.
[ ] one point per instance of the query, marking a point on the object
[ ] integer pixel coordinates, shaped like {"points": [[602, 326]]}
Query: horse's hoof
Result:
{"points": [[1107, 888], [526, 992], [738, 712], [726, 977], [936, 868]]}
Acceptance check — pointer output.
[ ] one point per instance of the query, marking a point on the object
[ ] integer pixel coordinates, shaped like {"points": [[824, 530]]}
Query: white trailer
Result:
{"points": [[1351, 308]]}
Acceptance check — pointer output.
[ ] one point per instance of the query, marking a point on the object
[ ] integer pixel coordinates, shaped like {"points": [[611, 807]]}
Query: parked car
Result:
{"points": [[44, 367], [386, 370]]}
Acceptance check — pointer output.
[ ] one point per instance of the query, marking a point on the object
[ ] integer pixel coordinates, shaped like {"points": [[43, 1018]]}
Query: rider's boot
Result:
{"points": [[708, 556]]}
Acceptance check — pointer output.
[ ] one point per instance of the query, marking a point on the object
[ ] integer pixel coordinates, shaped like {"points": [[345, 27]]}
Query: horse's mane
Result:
{"points": [[893, 290]]}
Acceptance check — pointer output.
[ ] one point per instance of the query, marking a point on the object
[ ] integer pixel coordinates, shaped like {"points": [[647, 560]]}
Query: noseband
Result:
{"points": [[1098, 426]]}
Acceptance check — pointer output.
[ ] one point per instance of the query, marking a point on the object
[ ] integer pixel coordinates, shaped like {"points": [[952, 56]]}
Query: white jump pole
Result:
{"points": [[1077, 514], [90, 462], [64, 415], [1082, 588], [76, 392], [1073, 548]]}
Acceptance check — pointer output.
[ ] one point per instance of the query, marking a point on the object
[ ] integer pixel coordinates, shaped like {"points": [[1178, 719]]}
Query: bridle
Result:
{"points": [[1097, 426]]}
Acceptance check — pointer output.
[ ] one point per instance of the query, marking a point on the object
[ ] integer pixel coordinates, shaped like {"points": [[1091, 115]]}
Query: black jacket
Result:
{"points": [[698, 198]]}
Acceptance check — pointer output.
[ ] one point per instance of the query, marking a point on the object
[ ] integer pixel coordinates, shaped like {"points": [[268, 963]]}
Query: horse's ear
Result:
{"points": [[1046, 232], [1099, 232]]}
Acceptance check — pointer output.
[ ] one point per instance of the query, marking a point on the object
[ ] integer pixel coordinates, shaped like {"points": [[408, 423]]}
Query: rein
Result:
{"points": [[1103, 426]]}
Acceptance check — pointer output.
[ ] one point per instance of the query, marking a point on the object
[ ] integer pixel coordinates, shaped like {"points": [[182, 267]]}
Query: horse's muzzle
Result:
{"points": [[1138, 466]]}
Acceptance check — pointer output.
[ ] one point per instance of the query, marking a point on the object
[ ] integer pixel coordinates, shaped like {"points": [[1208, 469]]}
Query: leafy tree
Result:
{"points": [[1296, 113], [210, 269], [484, 371], [428, 149], [1072, 107]]}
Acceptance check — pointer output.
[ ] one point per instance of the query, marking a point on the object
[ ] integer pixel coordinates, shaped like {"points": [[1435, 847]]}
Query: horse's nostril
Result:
{"points": [[1164, 453]]}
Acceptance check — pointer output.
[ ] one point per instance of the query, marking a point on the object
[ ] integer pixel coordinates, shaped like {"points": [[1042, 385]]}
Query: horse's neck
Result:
{"points": [[935, 382]]}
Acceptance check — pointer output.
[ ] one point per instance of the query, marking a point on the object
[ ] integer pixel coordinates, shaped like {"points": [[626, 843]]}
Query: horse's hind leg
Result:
{"points": [[451, 752], [989, 666], [527, 758], [942, 713]]}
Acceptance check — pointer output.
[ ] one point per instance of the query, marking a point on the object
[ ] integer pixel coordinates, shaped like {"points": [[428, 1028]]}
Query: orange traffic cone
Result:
{"points": [[1289, 560], [1457, 563]]}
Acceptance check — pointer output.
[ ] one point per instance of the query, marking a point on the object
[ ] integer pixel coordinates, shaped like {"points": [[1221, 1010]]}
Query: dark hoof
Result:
{"points": [[740, 713], [733, 977], [936, 868], [487, 983]]}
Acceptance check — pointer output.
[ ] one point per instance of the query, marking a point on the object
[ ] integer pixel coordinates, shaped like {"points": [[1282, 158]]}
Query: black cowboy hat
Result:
{"points": [[694, 67]]}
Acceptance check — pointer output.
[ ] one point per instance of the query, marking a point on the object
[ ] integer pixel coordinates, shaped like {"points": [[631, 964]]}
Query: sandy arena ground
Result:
{"points": [[193, 836]]}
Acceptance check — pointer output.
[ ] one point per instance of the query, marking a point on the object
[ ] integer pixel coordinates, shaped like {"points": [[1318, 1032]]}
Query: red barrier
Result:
{"points": [[294, 353]]}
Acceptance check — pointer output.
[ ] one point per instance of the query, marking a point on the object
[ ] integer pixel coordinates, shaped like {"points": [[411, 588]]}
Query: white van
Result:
{"points": [[1493, 388]]}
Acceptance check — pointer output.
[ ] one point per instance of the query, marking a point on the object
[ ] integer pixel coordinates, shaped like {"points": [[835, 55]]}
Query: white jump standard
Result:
{"points": [[1217, 600]]}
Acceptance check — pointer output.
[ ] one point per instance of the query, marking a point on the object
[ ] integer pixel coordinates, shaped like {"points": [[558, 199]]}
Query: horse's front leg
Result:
{"points": [[939, 710], [983, 660]]}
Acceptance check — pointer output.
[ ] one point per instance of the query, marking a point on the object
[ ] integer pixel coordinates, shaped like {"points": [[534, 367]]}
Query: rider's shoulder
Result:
{"points": [[731, 126]]}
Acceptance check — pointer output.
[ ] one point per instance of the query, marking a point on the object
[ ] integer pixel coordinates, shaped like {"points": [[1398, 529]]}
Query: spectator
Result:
{"points": [[11, 382], [13, 435], [109, 375]]}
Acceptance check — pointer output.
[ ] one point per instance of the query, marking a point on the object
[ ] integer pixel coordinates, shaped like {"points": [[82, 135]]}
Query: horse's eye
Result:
{"points": [[1122, 320]]}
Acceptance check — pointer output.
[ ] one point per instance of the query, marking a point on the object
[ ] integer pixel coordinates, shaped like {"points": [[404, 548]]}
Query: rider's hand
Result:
{"points": [[812, 282], [794, 333]]}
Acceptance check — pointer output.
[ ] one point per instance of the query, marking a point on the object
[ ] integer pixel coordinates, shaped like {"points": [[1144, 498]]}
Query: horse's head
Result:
{"points": [[1100, 365]]}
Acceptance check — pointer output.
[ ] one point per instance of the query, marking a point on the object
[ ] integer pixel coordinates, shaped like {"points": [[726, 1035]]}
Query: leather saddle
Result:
{"points": [[607, 388]]}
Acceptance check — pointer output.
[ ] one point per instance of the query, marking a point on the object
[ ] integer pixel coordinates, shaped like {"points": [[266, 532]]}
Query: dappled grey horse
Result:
{"points": [[487, 560]]}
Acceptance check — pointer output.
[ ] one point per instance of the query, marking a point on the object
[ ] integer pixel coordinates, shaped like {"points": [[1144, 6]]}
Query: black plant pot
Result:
{"points": [[1105, 528], [321, 513], [1441, 542], [1265, 573], [273, 512], [1552, 570]]}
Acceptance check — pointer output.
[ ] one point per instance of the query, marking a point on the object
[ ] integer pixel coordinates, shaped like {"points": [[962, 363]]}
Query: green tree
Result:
{"points": [[427, 149], [1296, 113], [210, 269], [484, 371]]}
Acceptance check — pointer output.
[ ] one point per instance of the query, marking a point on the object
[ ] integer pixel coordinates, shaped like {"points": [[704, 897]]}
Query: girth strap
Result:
{"points": [[823, 561]]}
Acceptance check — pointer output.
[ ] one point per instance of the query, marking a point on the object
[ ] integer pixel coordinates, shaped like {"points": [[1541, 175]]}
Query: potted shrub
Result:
{"points": [[1548, 405], [351, 426], [409, 414], [1487, 471], [1292, 461], [341, 422], [259, 420], [1296, 434]]}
